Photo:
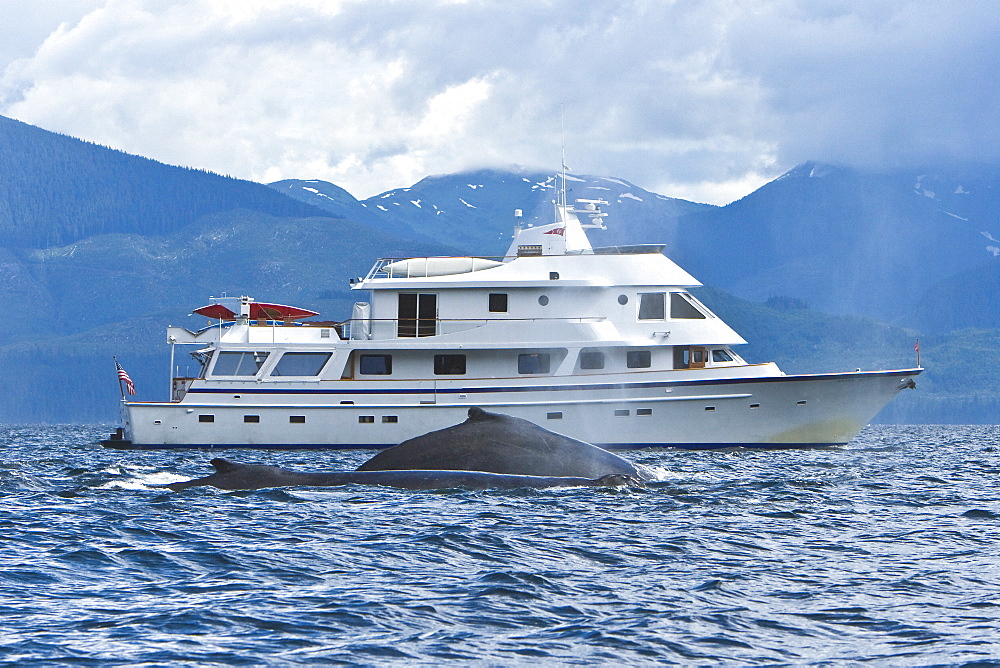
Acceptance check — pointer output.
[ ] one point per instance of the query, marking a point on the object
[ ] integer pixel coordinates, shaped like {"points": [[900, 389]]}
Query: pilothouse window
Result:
{"points": [[239, 363], [682, 307], [651, 305]]}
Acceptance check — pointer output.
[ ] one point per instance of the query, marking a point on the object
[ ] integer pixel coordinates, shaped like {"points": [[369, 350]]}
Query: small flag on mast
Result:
{"points": [[123, 378]]}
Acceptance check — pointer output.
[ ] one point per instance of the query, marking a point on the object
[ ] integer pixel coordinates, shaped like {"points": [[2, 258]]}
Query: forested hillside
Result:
{"points": [[55, 190]]}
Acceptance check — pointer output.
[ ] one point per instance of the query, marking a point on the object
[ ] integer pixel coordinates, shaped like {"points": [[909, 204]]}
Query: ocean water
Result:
{"points": [[884, 552]]}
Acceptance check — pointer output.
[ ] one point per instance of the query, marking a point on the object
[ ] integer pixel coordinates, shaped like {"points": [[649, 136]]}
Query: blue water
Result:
{"points": [[884, 552]]}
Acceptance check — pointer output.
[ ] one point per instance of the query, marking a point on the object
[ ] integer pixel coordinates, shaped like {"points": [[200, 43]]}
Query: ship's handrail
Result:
{"points": [[460, 324]]}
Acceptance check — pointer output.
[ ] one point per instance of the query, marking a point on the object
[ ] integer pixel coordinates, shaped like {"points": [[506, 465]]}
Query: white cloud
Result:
{"points": [[711, 96]]}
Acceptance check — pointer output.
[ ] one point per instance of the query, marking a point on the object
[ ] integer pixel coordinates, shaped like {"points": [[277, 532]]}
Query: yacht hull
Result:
{"points": [[698, 413]]}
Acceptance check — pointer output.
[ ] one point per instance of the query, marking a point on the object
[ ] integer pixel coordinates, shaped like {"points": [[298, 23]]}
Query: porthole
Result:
{"points": [[543, 300], [623, 299]]}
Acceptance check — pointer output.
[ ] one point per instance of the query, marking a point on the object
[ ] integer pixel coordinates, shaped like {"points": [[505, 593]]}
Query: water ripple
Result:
{"points": [[886, 551]]}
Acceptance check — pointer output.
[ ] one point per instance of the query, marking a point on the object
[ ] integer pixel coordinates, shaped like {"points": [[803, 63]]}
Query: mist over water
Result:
{"points": [[886, 551]]}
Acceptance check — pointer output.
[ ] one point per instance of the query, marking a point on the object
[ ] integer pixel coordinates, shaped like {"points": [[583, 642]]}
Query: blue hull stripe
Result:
{"points": [[128, 445], [558, 388]]}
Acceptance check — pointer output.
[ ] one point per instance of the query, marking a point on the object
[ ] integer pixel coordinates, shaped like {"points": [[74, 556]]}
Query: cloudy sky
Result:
{"points": [[702, 99]]}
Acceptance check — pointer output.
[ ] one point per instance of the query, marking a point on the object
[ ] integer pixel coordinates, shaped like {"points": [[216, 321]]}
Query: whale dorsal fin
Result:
{"points": [[223, 465], [477, 414]]}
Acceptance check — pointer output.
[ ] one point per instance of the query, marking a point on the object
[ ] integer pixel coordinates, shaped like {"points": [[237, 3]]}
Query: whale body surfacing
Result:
{"points": [[500, 444], [487, 451]]}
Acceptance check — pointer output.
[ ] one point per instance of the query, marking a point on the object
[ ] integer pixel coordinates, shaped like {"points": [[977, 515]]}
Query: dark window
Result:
{"points": [[533, 363], [498, 302], [638, 359], [449, 365], [297, 419], [251, 418], [709, 408], [651, 305], [721, 356], [644, 411], [376, 365], [388, 419], [754, 405], [592, 360], [417, 315], [621, 412], [553, 275], [554, 416], [206, 418], [366, 419], [682, 307], [623, 299], [300, 364], [543, 301], [239, 364]]}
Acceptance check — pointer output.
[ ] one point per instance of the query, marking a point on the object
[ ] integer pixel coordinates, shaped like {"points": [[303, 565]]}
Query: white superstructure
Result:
{"points": [[605, 345]]}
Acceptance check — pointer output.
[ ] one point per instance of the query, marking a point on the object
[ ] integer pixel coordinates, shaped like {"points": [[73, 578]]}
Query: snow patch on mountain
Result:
{"points": [[629, 196], [466, 203]]}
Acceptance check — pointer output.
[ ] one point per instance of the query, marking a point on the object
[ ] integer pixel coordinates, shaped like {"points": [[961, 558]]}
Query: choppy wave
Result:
{"points": [[886, 552]]}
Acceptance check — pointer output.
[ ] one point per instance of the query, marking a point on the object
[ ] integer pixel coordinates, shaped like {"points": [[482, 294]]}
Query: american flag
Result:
{"points": [[123, 377]]}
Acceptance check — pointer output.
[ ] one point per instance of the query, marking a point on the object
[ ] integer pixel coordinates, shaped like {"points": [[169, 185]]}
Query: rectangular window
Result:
{"points": [[652, 305], [721, 356], [238, 363], [449, 365], [644, 411], [375, 365], [390, 419], [554, 416], [417, 314], [301, 364], [366, 419], [682, 307], [498, 302], [622, 412], [297, 419], [251, 418], [638, 359], [533, 363], [592, 360], [206, 418]]}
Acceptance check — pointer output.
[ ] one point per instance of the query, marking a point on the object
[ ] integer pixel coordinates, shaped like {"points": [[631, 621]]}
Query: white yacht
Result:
{"points": [[601, 344]]}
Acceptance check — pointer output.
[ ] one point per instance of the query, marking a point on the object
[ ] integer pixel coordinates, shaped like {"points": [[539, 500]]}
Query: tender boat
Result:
{"points": [[606, 345]]}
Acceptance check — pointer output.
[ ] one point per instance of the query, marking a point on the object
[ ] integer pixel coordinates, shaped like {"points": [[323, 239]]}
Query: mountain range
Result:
{"points": [[822, 269]]}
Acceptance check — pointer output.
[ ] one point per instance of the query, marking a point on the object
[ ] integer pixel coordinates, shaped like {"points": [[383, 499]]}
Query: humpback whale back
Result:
{"points": [[500, 444]]}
